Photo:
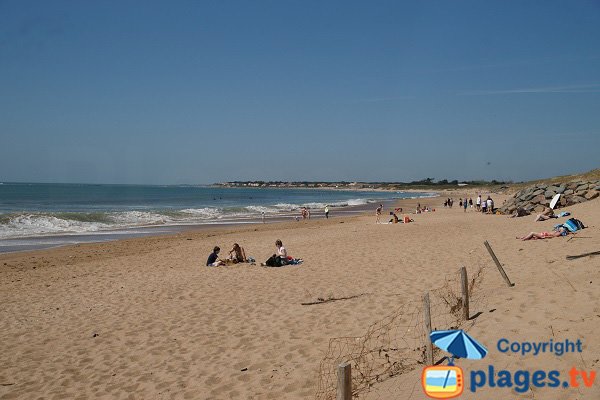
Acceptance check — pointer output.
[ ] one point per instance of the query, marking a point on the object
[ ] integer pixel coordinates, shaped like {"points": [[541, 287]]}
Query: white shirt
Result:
{"points": [[282, 252], [478, 200]]}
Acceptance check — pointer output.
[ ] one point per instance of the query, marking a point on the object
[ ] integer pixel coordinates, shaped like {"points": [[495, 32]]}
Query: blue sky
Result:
{"points": [[206, 91]]}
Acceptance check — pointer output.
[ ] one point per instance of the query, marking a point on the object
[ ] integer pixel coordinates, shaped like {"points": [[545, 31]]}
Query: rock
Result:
{"points": [[538, 191], [572, 186], [582, 187], [529, 207], [597, 187], [561, 189], [581, 193], [549, 194], [540, 199], [568, 192], [592, 194], [577, 199], [539, 208]]}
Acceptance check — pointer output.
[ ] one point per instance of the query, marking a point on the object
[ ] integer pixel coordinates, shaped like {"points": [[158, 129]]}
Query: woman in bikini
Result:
{"points": [[560, 231]]}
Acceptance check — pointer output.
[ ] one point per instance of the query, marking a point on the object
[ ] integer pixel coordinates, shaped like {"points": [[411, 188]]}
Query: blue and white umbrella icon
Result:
{"points": [[459, 344]]}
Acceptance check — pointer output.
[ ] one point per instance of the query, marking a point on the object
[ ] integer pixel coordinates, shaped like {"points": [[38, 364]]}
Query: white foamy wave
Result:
{"points": [[287, 206], [206, 212], [139, 218], [38, 224]]}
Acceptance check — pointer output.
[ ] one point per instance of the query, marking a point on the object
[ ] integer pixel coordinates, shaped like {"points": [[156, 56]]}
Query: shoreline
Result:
{"points": [[48, 241]]}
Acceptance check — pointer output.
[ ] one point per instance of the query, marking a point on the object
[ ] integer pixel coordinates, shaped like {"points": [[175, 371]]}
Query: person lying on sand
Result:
{"points": [[237, 254], [545, 215], [560, 231], [213, 258]]}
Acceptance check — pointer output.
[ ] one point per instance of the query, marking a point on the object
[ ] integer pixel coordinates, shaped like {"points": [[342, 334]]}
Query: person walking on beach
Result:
{"points": [[326, 211], [378, 213], [470, 202], [263, 217], [478, 202], [465, 204]]}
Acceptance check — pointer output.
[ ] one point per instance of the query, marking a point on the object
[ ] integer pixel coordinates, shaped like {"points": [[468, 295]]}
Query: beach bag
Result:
{"points": [[573, 225]]}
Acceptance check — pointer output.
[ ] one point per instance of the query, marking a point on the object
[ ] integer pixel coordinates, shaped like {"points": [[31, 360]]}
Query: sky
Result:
{"points": [[163, 92]]}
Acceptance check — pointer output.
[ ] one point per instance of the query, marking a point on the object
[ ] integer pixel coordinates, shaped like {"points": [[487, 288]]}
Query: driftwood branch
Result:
{"points": [[323, 301], [593, 253]]}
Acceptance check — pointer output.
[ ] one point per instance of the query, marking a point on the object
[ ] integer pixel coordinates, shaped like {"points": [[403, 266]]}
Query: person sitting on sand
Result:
{"points": [[545, 215], [213, 258], [237, 254], [559, 231], [279, 258]]}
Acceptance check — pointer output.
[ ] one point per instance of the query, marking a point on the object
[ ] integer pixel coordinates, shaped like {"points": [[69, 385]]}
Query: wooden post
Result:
{"points": [[344, 382], [489, 248], [465, 292], [427, 319]]}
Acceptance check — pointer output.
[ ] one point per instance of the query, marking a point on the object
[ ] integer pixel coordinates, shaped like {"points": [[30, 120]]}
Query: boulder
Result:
{"points": [[540, 199], [577, 199], [568, 192], [582, 187], [592, 194], [549, 194], [538, 191], [539, 208], [572, 185], [561, 189]]}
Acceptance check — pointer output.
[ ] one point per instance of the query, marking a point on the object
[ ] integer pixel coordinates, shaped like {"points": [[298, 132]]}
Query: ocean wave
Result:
{"points": [[23, 225], [205, 212]]}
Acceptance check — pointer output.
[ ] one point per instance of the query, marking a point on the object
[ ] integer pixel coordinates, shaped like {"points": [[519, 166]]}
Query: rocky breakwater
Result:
{"points": [[535, 198]]}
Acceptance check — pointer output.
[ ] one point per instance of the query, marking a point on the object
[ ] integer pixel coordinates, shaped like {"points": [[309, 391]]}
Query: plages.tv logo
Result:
{"points": [[447, 381]]}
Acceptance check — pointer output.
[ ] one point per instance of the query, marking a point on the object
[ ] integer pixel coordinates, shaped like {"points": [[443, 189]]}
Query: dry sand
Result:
{"points": [[145, 319]]}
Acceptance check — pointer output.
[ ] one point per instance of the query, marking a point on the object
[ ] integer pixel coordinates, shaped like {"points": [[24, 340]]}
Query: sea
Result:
{"points": [[41, 215]]}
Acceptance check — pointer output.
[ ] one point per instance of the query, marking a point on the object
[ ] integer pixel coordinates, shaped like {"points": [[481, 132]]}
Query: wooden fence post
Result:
{"points": [[344, 382], [427, 320], [489, 248], [464, 281]]}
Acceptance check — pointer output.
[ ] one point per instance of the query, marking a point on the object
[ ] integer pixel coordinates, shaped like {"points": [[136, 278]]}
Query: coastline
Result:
{"points": [[51, 240]]}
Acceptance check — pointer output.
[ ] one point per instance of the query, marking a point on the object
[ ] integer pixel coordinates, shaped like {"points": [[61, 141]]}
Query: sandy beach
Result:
{"points": [[143, 318]]}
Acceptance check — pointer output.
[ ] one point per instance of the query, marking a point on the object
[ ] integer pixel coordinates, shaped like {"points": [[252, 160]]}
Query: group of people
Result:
{"points": [[485, 206], [559, 230], [305, 213], [394, 219], [238, 255]]}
